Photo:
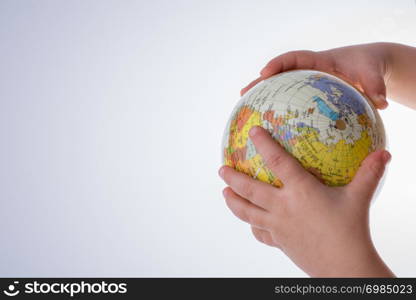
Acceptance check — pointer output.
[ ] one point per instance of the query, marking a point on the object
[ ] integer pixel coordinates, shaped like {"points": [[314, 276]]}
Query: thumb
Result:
{"points": [[369, 174], [374, 86]]}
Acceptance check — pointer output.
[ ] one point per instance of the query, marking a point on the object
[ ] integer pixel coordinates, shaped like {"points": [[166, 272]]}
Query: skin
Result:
{"points": [[324, 230]]}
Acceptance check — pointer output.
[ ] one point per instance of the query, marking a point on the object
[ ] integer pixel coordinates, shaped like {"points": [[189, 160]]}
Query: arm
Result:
{"points": [[401, 74]]}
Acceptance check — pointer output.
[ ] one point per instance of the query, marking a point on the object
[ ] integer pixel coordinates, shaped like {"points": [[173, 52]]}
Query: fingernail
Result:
{"points": [[386, 157], [221, 172], [254, 130], [381, 99]]}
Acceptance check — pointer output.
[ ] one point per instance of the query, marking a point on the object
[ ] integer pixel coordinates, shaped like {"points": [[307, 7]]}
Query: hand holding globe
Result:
{"points": [[304, 154], [327, 127]]}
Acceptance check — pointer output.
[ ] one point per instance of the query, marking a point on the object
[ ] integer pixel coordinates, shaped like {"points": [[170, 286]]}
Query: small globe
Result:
{"points": [[324, 122]]}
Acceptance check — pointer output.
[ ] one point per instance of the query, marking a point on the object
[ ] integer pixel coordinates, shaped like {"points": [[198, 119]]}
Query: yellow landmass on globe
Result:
{"points": [[326, 162]]}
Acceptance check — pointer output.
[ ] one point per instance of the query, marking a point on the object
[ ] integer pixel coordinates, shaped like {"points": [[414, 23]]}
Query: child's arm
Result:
{"points": [[370, 67], [324, 230], [401, 75]]}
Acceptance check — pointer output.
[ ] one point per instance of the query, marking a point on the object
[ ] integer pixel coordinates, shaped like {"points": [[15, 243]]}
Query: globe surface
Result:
{"points": [[324, 122]]}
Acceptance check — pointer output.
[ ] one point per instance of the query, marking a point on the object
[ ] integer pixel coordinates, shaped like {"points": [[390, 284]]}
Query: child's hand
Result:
{"points": [[364, 66], [324, 230]]}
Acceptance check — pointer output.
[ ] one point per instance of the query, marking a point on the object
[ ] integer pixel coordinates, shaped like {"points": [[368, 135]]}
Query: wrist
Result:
{"points": [[360, 261], [386, 51]]}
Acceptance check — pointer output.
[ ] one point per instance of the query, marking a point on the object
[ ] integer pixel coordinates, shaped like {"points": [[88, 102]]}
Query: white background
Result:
{"points": [[111, 119]]}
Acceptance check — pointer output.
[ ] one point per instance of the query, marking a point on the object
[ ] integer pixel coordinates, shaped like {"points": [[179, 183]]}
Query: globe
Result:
{"points": [[321, 120]]}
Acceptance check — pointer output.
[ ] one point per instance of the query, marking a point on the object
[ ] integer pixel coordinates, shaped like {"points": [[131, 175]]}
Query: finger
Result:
{"points": [[250, 85], [369, 174], [302, 59], [245, 210], [280, 162], [259, 193], [263, 236], [374, 86]]}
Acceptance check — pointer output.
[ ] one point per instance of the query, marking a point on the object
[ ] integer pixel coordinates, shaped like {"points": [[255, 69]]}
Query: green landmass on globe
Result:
{"points": [[325, 123]]}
